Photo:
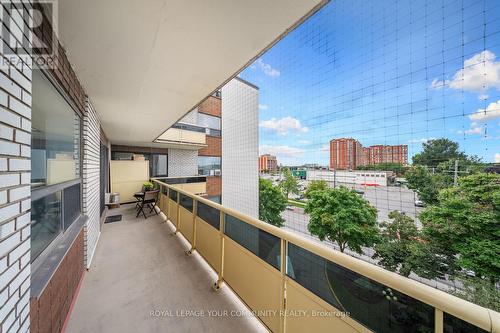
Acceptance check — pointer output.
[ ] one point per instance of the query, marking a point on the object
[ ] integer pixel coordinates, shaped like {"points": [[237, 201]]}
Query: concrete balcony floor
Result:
{"points": [[139, 268]]}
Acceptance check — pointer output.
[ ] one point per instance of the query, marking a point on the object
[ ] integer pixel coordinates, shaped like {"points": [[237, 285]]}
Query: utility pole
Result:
{"points": [[335, 178], [455, 175]]}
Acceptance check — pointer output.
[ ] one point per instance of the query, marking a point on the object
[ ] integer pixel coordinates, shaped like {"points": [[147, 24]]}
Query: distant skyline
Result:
{"points": [[393, 73]]}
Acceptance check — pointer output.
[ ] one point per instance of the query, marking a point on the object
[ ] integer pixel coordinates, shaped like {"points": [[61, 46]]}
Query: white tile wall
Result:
{"points": [[91, 180], [240, 147], [182, 162]]}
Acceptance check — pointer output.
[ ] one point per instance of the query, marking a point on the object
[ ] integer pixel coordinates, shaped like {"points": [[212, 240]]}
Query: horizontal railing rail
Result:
{"points": [[287, 280]]}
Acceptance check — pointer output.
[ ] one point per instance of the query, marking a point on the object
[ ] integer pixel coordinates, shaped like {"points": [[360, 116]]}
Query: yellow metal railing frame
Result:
{"points": [[442, 302]]}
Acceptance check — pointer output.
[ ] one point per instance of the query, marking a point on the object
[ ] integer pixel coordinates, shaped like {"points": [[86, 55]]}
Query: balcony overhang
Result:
{"points": [[183, 138], [145, 65]]}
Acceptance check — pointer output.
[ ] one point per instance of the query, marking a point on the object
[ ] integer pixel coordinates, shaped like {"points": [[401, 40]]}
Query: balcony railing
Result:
{"points": [[194, 185], [184, 135], [294, 285]]}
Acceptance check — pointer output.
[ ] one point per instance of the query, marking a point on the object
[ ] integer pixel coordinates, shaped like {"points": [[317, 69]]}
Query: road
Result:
{"points": [[390, 198], [385, 199], [296, 220]]}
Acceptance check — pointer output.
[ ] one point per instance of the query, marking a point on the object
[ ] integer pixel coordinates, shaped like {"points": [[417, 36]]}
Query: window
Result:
{"points": [[209, 165], [158, 165], [45, 222], [55, 164], [212, 132], [208, 121], [56, 135]]}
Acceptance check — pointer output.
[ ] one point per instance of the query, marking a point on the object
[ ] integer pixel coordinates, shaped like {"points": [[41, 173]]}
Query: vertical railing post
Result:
{"points": [[195, 211], [220, 273], [167, 211], [438, 321], [283, 247], [178, 219]]}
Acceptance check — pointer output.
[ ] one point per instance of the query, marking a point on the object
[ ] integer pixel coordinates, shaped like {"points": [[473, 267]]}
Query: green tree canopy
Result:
{"points": [[398, 242], [289, 184], [463, 227], [438, 151], [426, 185], [315, 185], [397, 168], [342, 216], [428, 179], [272, 203]]}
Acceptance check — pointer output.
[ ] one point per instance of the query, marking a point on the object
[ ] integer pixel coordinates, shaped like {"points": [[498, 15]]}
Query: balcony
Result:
{"points": [[289, 283], [140, 281], [183, 136]]}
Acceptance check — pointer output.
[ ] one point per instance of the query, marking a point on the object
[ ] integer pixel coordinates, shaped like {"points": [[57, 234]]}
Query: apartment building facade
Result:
{"points": [[268, 163], [348, 153], [345, 153]]}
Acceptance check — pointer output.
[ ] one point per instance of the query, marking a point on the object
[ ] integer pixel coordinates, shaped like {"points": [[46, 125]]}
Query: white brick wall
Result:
{"points": [[240, 147], [91, 180], [182, 162], [15, 167]]}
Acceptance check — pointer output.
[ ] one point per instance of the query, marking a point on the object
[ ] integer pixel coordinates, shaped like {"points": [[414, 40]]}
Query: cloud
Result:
{"points": [[422, 140], [265, 68], [304, 142], [475, 128], [281, 151], [284, 125], [491, 112], [263, 106], [497, 158], [437, 84], [479, 73]]}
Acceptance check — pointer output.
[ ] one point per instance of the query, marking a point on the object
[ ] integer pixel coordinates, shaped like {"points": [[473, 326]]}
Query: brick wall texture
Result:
{"points": [[62, 71], [15, 167], [211, 106], [214, 146], [214, 186], [50, 310]]}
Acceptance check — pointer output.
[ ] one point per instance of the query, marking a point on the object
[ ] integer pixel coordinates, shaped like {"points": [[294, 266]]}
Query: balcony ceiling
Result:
{"points": [[145, 64]]}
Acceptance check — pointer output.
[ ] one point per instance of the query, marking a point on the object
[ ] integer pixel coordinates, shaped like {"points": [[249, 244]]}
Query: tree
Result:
{"points": [[463, 227], [479, 291], [315, 185], [398, 244], [271, 203], [397, 168], [342, 216], [427, 187], [438, 151], [289, 184]]}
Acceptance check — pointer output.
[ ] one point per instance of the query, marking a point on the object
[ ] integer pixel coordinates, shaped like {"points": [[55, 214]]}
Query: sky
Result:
{"points": [[383, 72]]}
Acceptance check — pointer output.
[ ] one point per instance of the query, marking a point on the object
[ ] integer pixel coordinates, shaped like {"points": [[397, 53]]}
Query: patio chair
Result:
{"points": [[148, 200]]}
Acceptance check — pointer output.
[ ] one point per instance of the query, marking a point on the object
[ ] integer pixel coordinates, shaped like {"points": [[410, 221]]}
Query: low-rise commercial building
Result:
{"points": [[343, 177]]}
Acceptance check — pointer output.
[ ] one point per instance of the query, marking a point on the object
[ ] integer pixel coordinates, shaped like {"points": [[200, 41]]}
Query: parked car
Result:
{"points": [[419, 203], [359, 191]]}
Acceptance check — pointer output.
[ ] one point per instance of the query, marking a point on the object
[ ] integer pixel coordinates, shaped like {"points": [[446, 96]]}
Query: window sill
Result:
{"points": [[47, 263]]}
